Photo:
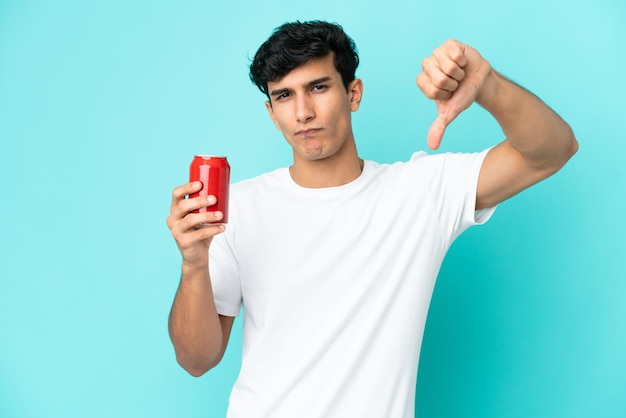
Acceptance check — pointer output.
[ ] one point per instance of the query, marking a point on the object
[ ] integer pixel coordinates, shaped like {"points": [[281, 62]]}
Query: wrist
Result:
{"points": [[192, 270], [488, 92]]}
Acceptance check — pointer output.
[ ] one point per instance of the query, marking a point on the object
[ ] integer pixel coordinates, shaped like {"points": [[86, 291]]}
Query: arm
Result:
{"points": [[538, 142], [198, 332]]}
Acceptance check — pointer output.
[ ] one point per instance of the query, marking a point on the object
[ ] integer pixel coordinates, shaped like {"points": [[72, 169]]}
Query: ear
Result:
{"points": [[270, 110], [355, 93]]}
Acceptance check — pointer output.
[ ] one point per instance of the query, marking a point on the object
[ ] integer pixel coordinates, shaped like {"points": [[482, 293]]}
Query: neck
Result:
{"points": [[339, 169]]}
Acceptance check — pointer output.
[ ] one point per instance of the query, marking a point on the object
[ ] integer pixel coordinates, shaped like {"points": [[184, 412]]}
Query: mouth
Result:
{"points": [[308, 132]]}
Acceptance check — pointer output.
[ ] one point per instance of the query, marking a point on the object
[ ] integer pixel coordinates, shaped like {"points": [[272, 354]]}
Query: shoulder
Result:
{"points": [[425, 163], [431, 173], [447, 163], [443, 158]]}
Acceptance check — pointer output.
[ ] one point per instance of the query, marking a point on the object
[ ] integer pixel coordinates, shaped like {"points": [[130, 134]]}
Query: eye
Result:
{"points": [[282, 96], [319, 87]]}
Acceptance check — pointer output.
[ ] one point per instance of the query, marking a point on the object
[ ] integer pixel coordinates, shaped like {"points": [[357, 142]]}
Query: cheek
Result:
{"points": [[338, 112], [341, 119], [280, 122]]}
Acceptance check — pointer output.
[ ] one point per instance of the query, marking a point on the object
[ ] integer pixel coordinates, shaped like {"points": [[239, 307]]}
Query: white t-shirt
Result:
{"points": [[335, 284]]}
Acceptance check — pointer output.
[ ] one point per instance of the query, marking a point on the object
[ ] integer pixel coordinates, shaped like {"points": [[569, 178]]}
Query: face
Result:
{"points": [[311, 107]]}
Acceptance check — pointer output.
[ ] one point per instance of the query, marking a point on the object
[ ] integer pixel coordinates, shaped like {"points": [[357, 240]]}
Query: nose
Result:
{"points": [[304, 109]]}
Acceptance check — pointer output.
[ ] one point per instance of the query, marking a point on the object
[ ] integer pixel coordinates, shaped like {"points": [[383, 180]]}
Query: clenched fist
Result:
{"points": [[453, 76]]}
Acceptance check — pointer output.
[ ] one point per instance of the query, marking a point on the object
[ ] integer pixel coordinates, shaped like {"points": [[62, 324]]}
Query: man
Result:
{"points": [[334, 259]]}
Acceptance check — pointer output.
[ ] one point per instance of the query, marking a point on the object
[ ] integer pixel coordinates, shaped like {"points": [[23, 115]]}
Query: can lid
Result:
{"points": [[207, 157]]}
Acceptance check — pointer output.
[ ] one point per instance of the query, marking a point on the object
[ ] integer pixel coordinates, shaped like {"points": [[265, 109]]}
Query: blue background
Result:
{"points": [[103, 104]]}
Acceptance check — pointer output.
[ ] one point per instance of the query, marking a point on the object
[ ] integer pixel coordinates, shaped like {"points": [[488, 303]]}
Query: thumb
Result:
{"points": [[435, 134], [438, 127]]}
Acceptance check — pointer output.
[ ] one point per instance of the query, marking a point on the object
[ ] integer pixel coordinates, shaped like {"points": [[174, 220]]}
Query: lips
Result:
{"points": [[308, 132]]}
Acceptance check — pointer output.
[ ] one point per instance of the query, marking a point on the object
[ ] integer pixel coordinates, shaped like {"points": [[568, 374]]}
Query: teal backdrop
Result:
{"points": [[104, 103]]}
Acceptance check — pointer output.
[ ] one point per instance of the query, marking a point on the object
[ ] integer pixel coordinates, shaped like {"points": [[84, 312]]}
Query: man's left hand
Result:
{"points": [[453, 76]]}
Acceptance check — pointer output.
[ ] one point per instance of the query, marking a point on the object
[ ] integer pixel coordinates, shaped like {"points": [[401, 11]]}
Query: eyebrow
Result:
{"points": [[309, 84]]}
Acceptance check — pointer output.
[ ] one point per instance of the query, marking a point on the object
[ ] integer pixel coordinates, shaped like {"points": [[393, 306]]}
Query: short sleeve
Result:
{"points": [[453, 189]]}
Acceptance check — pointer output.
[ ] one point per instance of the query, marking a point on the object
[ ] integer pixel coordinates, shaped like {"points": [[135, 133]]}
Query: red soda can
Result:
{"points": [[214, 173]]}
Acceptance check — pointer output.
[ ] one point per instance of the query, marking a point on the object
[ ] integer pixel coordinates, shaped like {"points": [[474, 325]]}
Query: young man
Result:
{"points": [[334, 259]]}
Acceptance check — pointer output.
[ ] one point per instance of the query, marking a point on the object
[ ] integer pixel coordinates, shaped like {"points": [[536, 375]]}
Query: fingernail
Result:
{"points": [[219, 215], [211, 199]]}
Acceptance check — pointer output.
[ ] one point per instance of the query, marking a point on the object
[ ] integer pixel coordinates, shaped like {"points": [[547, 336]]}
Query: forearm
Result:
{"points": [[194, 323], [542, 138]]}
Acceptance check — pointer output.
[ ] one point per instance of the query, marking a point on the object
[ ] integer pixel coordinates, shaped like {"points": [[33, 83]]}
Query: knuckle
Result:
{"points": [[184, 243], [449, 68], [190, 221], [195, 203], [440, 80], [210, 231], [430, 91], [183, 206], [192, 205], [456, 55], [426, 62], [209, 217], [452, 43], [182, 190], [178, 192]]}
